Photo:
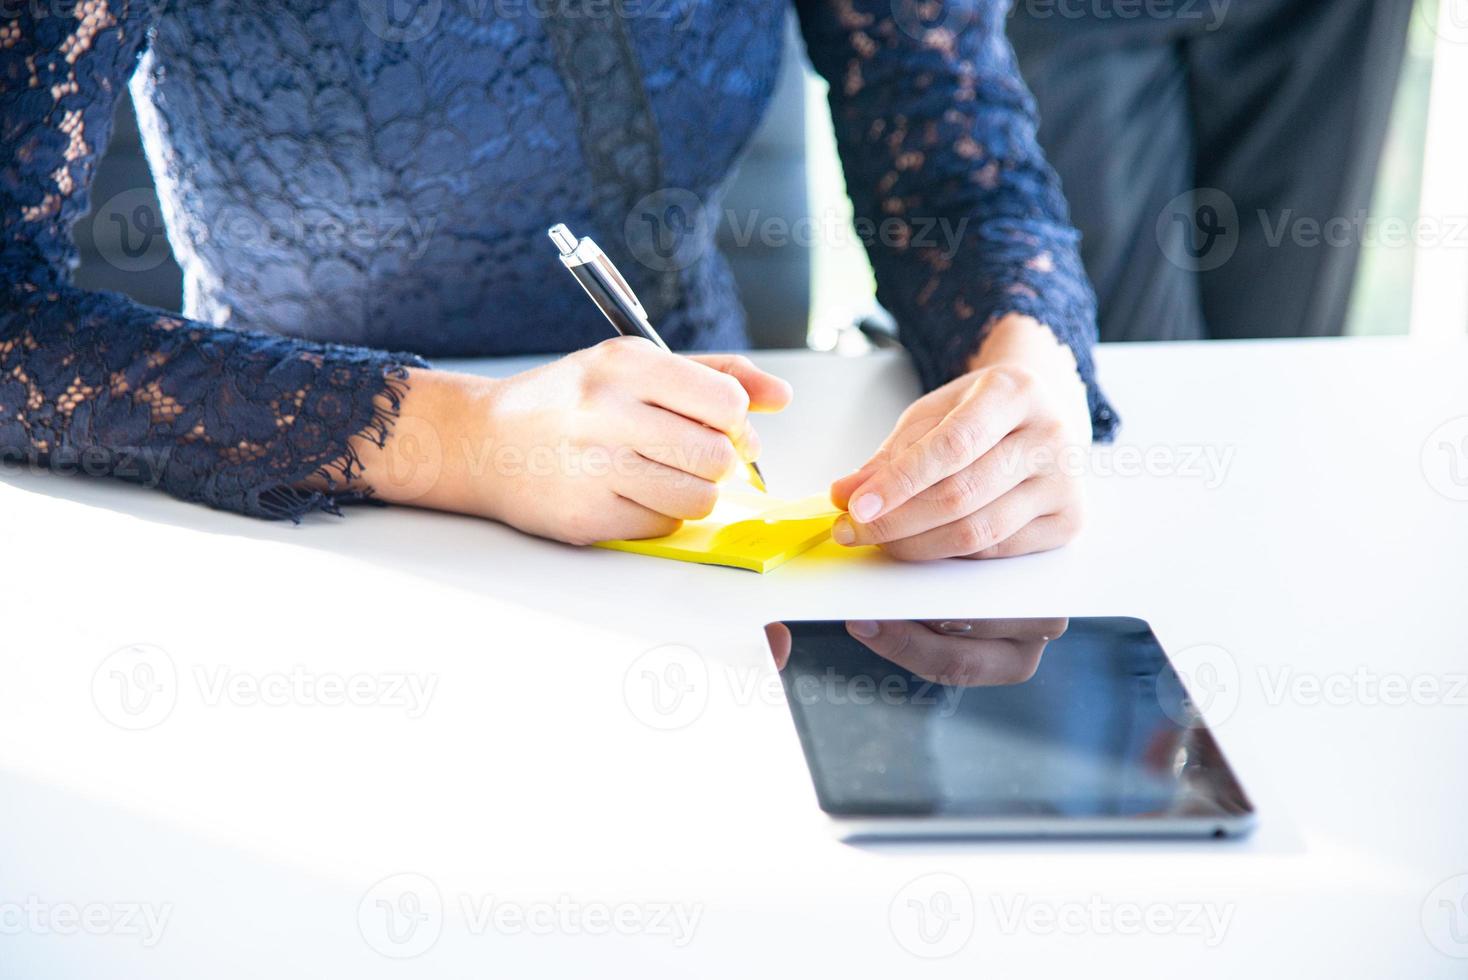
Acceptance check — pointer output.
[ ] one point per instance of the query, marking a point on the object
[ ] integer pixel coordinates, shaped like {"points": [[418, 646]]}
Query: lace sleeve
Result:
{"points": [[963, 218], [93, 382]]}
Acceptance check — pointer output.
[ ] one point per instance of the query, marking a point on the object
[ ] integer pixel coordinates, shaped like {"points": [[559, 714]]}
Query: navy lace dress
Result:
{"points": [[346, 178]]}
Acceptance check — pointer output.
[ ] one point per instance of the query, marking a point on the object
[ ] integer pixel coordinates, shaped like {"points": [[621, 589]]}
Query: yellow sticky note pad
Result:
{"points": [[746, 530]]}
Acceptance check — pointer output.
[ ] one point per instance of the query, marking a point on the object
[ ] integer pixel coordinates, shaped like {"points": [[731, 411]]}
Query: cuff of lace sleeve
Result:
{"points": [[351, 400], [937, 368]]}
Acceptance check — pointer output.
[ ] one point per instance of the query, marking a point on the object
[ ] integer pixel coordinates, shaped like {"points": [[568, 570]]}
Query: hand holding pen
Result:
{"points": [[619, 440], [614, 297]]}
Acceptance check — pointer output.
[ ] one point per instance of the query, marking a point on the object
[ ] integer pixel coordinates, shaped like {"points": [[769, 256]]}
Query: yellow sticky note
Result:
{"points": [[746, 530]]}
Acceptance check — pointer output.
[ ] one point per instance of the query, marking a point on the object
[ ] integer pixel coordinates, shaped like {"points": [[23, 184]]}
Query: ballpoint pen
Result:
{"points": [[585, 260]]}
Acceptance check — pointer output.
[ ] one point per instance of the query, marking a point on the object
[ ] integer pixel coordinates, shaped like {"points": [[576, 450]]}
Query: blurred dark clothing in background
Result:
{"points": [[1218, 155]]}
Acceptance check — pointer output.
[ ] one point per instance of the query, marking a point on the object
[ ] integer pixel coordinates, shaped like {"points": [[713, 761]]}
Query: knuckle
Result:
{"points": [[1071, 521], [617, 349], [956, 442], [580, 529], [883, 456], [1050, 431], [948, 496], [974, 670], [736, 398], [898, 643], [606, 353], [698, 500], [659, 526], [591, 386], [976, 533], [1023, 671], [958, 493], [903, 477], [966, 539], [911, 424], [722, 455], [1016, 380]]}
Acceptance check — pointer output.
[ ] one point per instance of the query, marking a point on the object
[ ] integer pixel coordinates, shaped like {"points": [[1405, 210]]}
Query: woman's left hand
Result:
{"points": [[986, 466]]}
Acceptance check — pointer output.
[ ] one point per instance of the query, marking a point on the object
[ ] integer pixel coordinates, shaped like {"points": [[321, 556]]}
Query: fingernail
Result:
{"points": [[842, 532], [866, 507], [864, 628]]}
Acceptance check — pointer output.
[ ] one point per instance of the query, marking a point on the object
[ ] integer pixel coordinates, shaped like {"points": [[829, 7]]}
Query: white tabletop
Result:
{"points": [[349, 716]]}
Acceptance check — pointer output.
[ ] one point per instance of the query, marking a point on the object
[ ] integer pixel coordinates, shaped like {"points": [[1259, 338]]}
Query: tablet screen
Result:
{"points": [[1080, 717]]}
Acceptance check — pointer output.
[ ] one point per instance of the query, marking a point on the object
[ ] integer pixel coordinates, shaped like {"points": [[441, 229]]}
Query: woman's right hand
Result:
{"points": [[621, 440]]}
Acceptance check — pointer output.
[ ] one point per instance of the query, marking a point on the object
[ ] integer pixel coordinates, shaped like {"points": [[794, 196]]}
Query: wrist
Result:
{"points": [[1024, 343], [426, 460], [1018, 339]]}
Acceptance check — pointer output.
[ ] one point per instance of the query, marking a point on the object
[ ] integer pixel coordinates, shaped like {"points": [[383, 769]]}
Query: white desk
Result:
{"points": [[532, 778]]}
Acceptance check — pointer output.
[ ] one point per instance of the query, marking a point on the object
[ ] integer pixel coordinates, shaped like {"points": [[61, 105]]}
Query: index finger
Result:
{"points": [[686, 387], [970, 430], [767, 393]]}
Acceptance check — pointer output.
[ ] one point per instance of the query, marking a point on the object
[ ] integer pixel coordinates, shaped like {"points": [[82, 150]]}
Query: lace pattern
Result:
{"points": [[937, 138], [318, 117], [233, 419]]}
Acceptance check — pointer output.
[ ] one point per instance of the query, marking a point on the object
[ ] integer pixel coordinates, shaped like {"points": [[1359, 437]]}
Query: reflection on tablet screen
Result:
{"points": [[999, 718]]}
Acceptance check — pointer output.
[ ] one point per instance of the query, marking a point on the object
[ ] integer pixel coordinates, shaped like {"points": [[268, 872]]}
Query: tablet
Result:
{"points": [[1003, 728]]}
